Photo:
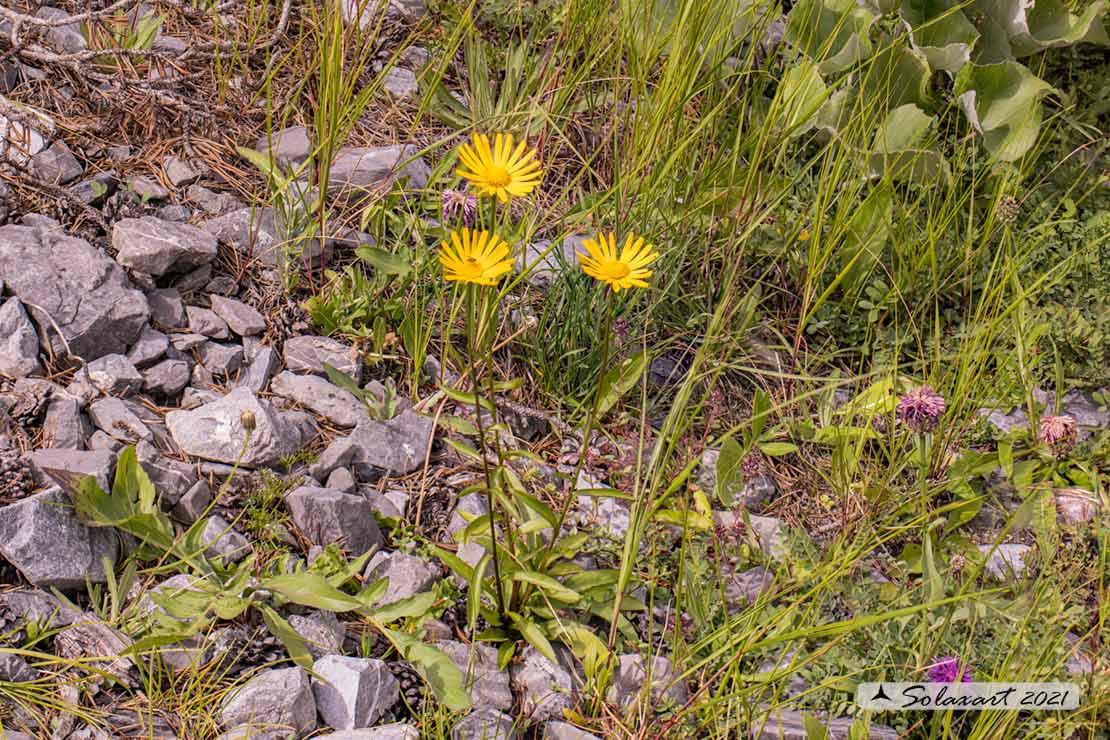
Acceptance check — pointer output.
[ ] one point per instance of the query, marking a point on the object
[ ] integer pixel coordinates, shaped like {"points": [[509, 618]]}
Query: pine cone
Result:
{"points": [[15, 477], [413, 688], [1008, 209]]}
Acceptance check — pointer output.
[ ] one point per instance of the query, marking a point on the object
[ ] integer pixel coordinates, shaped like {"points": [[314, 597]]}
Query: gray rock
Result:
{"points": [[394, 447], [606, 515], [167, 309], [242, 319], [171, 478], [69, 286], [65, 427], [789, 724], [260, 370], [149, 349], [215, 431], [358, 170], [167, 378], [322, 632], [91, 637], [352, 692], [1089, 417], [408, 575], [67, 467], [187, 342], [341, 480], [223, 540], [157, 246], [389, 504], [1075, 505], [770, 531], [147, 189], [545, 688], [56, 164], [193, 503], [275, 699], [221, 359], [1005, 562], [781, 666], [487, 685], [333, 403], [118, 420], [290, 146], [544, 262], [309, 354], [22, 606], [485, 724], [43, 538], [367, 14], [337, 454], [206, 322], [744, 588], [66, 38], [250, 231], [20, 141], [194, 398], [327, 516], [174, 212], [93, 190], [1005, 423], [392, 731], [211, 202], [114, 375], [557, 730], [180, 172], [751, 493], [400, 83], [98, 440], [19, 343], [15, 669], [633, 674]]}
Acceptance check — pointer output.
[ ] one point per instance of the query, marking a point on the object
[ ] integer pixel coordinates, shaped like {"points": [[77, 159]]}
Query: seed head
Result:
{"points": [[1058, 432], [246, 418]]}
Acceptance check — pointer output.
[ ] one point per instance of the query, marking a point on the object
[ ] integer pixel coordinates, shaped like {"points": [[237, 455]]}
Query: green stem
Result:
{"points": [[471, 332], [590, 419]]}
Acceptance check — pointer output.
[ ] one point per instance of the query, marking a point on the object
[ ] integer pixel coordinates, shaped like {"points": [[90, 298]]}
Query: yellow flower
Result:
{"points": [[622, 271], [500, 171], [477, 257], [804, 236]]}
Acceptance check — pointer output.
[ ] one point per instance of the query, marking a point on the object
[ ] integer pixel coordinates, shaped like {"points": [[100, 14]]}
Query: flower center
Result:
{"points": [[471, 269], [498, 177], [615, 270]]}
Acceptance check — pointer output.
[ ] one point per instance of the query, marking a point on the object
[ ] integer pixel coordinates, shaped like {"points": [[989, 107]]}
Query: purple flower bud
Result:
{"points": [[459, 204], [949, 669], [920, 410], [1058, 432]]}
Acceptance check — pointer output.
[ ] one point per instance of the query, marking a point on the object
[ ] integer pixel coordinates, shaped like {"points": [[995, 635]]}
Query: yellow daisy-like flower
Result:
{"points": [[623, 271], [477, 257], [500, 171]]}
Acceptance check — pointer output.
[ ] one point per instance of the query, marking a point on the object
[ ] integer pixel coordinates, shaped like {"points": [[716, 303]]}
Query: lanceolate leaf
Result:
{"points": [[442, 675], [310, 589]]}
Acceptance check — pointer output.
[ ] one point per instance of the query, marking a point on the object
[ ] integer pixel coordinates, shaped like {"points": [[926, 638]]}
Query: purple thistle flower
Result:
{"points": [[920, 410], [1058, 432], [461, 204], [948, 669], [752, 464]]}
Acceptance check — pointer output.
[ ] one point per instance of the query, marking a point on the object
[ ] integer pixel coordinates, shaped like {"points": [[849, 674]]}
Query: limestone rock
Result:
{"points": [[1006, 561], [352, 692], [327, 516], [224, 541], [290, 146], [167, 378], [356, 169], [321, 631], [167, 309], [485, 724], [19, 343], [394, 447], [487, 685], [114, 375], [155, 246], [545, 688], [205, 322], [242, 319], [333, 403], [277, 699], [309, 354], [71, 287], [633, 674], [215, 431], [408, 575], [118, 420], [43, 538], [67, 467]]}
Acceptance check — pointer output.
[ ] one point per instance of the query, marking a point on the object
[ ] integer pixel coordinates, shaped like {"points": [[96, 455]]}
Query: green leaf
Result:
{"points": [[899, 148], [681, 518], [416, 605], [778, 449], [384, 262], [550, 586], [895, 76], [814, 729], [505, 653], [311, 589], [1031, 26], [930, 574], [442, 675], [531, 632], [940, 31], [729, 473], [1003, 103], [475, 590], [289, 637], [344, 381], [467, 398], [799, 97], [619, 380], [831, 32]]}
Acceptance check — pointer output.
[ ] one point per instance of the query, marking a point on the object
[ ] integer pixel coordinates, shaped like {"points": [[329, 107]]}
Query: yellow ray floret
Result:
{"points": [[620, 272], [476, 257], [500, 171]]}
